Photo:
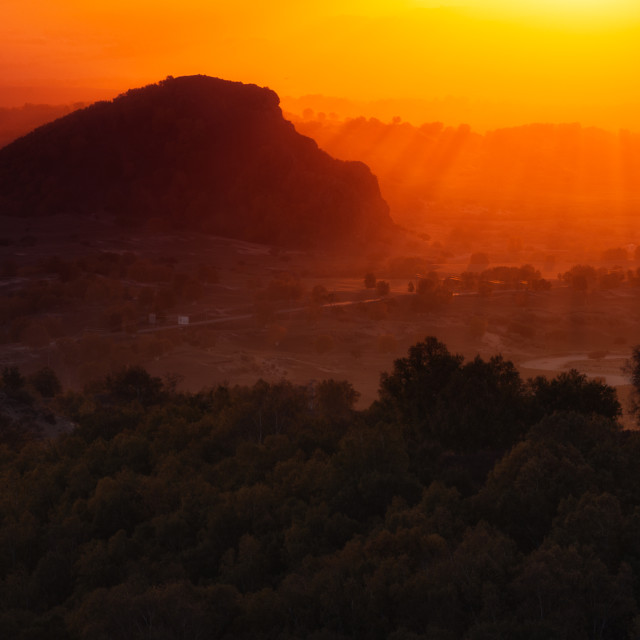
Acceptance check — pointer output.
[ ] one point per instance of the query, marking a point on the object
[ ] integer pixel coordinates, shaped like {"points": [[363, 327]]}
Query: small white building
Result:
{"points": [[183, 320]]}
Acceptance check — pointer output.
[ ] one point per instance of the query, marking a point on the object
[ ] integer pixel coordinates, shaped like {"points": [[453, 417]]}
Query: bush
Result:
{"points": [[46, 382], [12, 379], [382, 288]]}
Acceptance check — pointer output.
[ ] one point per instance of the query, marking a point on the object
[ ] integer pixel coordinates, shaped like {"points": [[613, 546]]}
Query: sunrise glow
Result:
{"points": [[506, 62], [567, 11]]}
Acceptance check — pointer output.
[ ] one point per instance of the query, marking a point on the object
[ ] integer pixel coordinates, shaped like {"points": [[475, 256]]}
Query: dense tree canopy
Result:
{"points": [[465, 503]]}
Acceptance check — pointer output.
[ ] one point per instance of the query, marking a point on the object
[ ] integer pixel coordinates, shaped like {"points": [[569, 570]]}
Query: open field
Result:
{"points": [[271, 313]]}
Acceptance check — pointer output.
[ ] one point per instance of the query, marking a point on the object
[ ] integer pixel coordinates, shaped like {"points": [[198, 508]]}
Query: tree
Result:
{"points": [[481, 567], [478, 261], [463, 407], [335, 400], [580, 277], [415, 385], [428, 285], [134, 384], [485, 406], [12, 379], [572, 391], [320, 295], [45, 382], [382, 288], [526, 487], [370, 281], [618, 255], [568, 593], [632, 368]]}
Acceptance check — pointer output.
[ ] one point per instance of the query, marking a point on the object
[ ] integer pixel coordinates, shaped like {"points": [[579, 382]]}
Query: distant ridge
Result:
{"points": [[196, 153]]}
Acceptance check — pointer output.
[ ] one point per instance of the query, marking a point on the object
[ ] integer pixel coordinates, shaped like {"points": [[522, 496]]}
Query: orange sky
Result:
{"points": [[509, 62]]}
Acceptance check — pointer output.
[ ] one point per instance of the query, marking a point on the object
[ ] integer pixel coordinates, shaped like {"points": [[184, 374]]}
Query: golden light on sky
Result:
{"points": [[565, 11], [508, 62]]}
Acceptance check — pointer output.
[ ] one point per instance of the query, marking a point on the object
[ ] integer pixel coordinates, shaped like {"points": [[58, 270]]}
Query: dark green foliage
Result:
{"points": [[462, 406], [134, 384], [480, 404], [45, 382], [572, 391], [335, 400], [417, 382], [465, 504], [382, 288], [12, 379], [524, 490], [633, 370], [14, 434]]}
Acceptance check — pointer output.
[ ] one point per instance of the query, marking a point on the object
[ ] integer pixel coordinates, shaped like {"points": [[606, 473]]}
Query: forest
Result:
{"points": [[465, 502]]}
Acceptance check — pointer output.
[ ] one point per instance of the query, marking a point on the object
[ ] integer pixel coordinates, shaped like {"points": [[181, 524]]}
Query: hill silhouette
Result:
{"points": [[194, 153], [17, 121], [550, 162]]}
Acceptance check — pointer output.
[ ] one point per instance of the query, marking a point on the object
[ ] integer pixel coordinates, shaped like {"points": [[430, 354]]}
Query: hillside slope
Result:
{"points": [[192, 153]]}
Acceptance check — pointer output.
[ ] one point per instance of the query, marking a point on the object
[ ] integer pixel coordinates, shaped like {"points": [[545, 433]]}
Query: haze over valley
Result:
{"points": [[331, 333], [146, 188]]}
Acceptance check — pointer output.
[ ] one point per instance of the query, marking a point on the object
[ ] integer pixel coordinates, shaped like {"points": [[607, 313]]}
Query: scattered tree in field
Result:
{"points": [[478, 261], [617, 255], [580, 277], [382, 288], [370, 281], [320, 295]]}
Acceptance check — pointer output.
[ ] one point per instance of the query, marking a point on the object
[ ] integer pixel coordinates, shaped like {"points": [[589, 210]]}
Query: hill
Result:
{"points": [[18, 121], [194, 153]]}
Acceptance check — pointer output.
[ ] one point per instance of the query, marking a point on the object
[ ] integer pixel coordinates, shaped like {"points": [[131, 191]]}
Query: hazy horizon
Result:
{"points": [[491, 64]]}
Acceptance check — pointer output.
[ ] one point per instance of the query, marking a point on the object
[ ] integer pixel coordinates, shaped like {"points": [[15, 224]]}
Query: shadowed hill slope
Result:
{"points": [[196, 153], [18, 121]]}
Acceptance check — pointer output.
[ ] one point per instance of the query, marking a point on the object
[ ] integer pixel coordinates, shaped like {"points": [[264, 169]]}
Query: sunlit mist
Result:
{"points": [[509, 63]]}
